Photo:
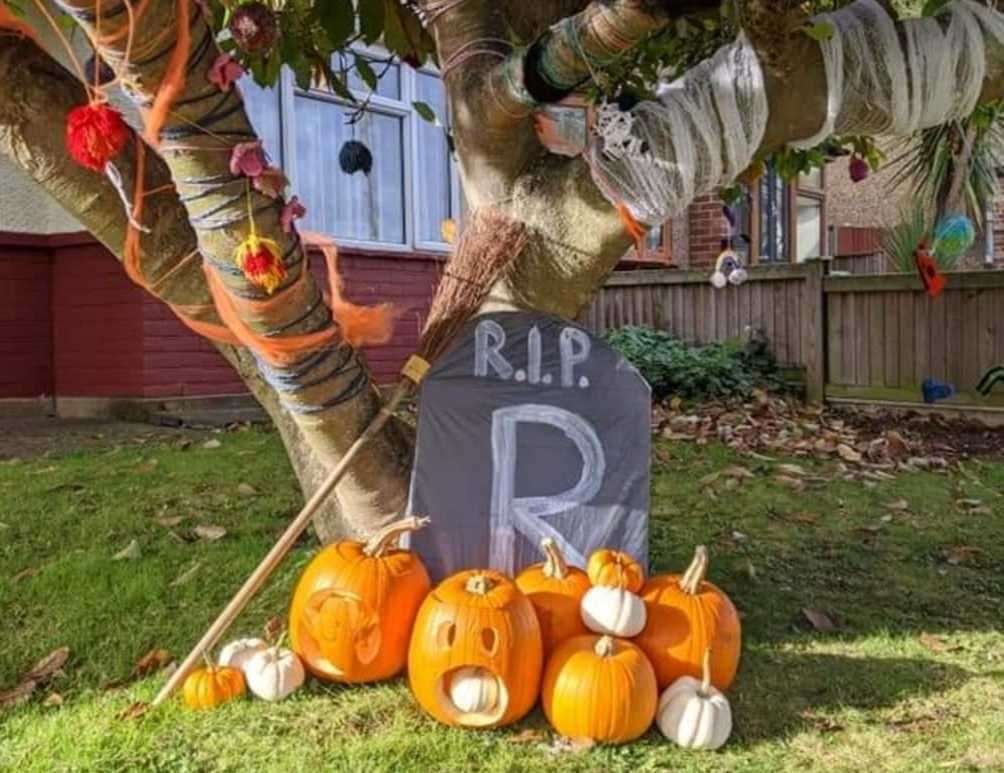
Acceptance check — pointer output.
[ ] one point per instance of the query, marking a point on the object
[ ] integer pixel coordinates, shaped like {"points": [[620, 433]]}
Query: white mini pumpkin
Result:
{"points": [[273, 673], [474, 690], [693, 713], [613, 611], [237, 653]]}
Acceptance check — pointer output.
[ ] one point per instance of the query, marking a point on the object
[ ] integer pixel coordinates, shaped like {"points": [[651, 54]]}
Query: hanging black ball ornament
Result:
{"points": [[355, 157]]}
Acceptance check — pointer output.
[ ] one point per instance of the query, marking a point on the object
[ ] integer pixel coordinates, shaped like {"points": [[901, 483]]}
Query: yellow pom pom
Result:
{"points": [[261, 261]]}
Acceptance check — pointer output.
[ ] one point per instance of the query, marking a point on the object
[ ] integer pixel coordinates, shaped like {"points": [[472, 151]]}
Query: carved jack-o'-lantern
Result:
{"points": [[476, 654], [352, 611]]}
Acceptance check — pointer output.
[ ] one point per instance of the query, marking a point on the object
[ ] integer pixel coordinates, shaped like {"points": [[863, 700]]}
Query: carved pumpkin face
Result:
{"points": [[477, 629], [555, 589], [354, 606], [207, 688], [615, 569], [687, 615]]}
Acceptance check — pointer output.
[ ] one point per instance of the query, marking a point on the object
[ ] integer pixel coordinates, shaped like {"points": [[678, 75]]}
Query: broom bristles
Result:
{"points": [[485, 252]]}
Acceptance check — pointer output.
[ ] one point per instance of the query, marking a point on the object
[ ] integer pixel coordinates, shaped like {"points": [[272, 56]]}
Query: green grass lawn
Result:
{"points": [[911, 680]]}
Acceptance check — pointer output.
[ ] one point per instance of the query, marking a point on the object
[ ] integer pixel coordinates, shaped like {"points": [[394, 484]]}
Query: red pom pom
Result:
{"points": [[95, 134]]}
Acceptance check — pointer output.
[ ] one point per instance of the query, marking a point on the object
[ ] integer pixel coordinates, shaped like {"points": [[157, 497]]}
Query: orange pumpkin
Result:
{"points": [[687, 615], [615, 569], [476, 654], [600, 688], [555, 589], [212, 686], [354, 606]]}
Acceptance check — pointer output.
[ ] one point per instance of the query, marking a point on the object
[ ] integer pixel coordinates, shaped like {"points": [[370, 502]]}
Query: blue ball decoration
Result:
{"points": [[953, 237]]}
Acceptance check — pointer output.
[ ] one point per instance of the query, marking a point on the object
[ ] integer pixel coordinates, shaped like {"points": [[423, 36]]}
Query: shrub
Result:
{"points": [[672, 367]]}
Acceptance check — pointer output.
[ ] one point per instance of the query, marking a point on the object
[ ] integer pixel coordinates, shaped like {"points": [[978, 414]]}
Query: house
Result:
{"points": [[78, 338]]}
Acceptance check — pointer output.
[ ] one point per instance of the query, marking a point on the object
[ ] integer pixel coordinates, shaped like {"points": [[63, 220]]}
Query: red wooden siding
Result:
{"points": [[25, 327]]}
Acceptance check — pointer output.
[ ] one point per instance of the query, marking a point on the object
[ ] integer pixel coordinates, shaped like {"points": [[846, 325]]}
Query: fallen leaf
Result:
{"points": [[134, 710], [210, 533], [819, 620], [897, 504], [793, 483], [130, 552], [152, 661], [48, 666], [802, 517], [969, 503], [738, 536], [707, 480], [53, 700], [25, 574], [212, 443], [961, 554], [274, 627], [886, 519], [527, 735], [246, 490], [675, 403], [933, 643], [171, 521], [147, 466], [848, 454], [187, 575], [738, 472], [792, 470], [18, 694]]}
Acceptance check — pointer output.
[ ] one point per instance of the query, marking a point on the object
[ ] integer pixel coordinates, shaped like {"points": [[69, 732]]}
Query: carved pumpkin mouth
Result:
{"points": [[473, 696]]}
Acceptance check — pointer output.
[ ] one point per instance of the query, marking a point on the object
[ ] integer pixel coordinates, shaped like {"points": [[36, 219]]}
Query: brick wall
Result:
{"points": [[25, 328], [708, 227]]}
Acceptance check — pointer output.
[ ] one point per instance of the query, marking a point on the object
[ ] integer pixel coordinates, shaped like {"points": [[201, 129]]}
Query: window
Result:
{"points": [[413, 184], [809, 224], [786, 221], [774, 229]]}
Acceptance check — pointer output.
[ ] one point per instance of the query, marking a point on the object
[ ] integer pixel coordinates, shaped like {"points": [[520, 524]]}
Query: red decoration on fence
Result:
{"points": [[934, 282]]}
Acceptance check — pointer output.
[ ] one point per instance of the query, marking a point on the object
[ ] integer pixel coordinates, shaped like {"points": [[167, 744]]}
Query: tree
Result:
{"points": [[502, 60]]}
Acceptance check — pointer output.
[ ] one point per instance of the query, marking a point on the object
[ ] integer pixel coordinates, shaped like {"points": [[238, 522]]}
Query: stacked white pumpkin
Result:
{"points": [[272, 672]]}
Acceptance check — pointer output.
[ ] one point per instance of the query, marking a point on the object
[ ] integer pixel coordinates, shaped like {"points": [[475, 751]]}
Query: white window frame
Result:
{"points": [[401, 108]]}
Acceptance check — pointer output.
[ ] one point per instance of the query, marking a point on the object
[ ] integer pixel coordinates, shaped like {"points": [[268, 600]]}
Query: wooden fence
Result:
{"points": [[867, 337]]}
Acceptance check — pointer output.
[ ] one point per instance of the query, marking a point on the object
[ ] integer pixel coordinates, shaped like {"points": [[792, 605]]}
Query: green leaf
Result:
{"points": [[819, 31], [371, 19], [933, 7], [425, 112], [338, 18], [402, 35], [366, 72]]}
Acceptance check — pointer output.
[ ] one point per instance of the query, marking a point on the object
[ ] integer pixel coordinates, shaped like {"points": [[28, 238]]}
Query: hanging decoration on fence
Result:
{"points": [[934, 390], [729, 268], [934, 281], [530, 428]]}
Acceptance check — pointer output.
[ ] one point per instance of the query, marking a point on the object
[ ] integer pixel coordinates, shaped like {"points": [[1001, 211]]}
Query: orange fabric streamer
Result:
{"points": [[174, 77], [634, 229], [8, 21], [360, 325]]}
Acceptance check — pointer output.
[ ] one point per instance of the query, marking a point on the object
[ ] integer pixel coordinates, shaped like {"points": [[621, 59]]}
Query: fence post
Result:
{"points": [[814, 331]]}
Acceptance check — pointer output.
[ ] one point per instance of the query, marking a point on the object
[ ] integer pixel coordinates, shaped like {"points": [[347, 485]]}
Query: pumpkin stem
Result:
{"points": [[479, 584], [209, 663], [388, 536], [555, 565], [604, 647], [706, 673], [691, 581]]}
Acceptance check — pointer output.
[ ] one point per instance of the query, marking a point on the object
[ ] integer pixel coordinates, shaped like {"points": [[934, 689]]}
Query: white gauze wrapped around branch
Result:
{"points": [[704, 128], [701, 131], [889, 78]]}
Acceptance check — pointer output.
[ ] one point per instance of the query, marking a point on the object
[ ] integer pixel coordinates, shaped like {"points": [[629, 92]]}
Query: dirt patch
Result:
{"points": [[937, 435], [23, 438]]}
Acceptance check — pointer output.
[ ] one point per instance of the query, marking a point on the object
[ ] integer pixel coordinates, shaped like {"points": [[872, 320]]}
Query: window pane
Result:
{"points": [[741, 232], [357, 206], [813, 179], [653, 239], [773, 218], [432, 162], [389, 83], [810, 228], [262, 106]]}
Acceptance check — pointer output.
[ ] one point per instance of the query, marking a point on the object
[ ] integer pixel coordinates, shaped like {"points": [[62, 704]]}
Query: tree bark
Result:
{"points": [[37, 93], [330, 396]]}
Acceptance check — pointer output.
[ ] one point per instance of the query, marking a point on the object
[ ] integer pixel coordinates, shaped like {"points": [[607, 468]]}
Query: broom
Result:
{"points": [[485, 252]]}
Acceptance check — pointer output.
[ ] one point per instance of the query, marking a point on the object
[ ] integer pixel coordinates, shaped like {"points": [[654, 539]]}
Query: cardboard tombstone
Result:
{"points": [[530, 427]]}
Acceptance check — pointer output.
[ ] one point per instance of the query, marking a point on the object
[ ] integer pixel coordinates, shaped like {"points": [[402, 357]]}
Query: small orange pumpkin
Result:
{"points": [[555, 589], [687, 615], [212, 686], [476, 655], [600, 688], [354, 605], [615, 569]]}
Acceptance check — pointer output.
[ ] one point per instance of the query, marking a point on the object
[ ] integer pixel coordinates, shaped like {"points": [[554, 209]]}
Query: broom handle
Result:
{"points": [[289, 537]]}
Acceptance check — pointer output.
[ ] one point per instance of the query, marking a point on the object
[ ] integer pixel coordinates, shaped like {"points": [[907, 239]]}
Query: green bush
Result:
{"points": [[672, 367]]}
